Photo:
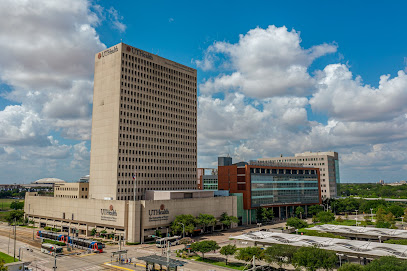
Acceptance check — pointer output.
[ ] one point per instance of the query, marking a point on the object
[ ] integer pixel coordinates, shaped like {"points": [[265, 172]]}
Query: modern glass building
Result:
{"points": [[281, 186]]}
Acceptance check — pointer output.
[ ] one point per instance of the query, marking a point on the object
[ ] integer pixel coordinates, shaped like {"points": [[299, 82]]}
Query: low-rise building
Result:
{"points": [[78, 190], [135, 220]]}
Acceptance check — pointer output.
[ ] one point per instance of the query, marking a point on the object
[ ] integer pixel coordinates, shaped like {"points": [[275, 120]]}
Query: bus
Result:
{"points": [[162, 242], [51, 249]]}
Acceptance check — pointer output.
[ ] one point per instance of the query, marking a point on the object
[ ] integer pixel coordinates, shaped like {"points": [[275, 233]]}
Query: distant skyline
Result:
{"points": [[273, 78]]}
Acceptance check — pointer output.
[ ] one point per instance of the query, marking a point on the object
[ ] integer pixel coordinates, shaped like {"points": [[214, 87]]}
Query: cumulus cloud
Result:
{"points": [[47, 53], [345, 98], [263, 63], [269, 95]]}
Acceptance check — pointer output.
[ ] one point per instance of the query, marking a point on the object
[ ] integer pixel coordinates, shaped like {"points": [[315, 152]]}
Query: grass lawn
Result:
{"points": [[233, 265], [3, 215], [5, 203], [7, 258]]}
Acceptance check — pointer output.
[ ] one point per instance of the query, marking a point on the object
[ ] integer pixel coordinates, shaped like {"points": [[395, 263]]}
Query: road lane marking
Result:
{"points": [[87, 255], [124, 268]]}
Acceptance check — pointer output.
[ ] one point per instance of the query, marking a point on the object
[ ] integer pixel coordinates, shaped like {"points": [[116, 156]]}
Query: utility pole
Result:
{"points": [[55, 259], [120, 241], [9, 237], [15, 238], [67, 241]]}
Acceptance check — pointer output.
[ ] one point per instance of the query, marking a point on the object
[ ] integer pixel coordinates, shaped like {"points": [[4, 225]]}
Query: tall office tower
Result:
{"points": [[144, 134], [328, 164]]}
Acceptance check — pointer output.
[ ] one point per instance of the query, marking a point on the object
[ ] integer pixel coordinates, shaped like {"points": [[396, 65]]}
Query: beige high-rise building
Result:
{"points": [[143, 123], [328, 164]]}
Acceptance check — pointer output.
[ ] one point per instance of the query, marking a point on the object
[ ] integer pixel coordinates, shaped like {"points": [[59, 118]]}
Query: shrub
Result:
{"points": [[296, 223]]}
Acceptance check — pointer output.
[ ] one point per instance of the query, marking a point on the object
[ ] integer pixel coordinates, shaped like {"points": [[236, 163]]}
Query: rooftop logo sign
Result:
{"points": [[108, 52], [138, 52]]}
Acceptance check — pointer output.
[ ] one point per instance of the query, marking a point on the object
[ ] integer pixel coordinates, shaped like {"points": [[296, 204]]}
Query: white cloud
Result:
{"points": [[345, 98], [20, 126], [47, 53], [264, 63], [81, 156], [116, 19]]}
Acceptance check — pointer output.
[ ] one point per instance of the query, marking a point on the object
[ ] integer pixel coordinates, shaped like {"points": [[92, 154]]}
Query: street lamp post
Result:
{"points": [[371, 212], [183, 229], [356, 218], [259, 224], [340, 258], [402, 222]]}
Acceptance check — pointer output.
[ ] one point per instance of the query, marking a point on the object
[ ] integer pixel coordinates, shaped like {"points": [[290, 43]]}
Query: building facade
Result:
{"points": [[78, 190], [271, 185], [134, 220], [144, 133], [328, 164], [207, 179]]}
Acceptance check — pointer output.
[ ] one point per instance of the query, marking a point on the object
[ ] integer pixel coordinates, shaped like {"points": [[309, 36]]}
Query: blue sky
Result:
{"points": [[273, 78]]}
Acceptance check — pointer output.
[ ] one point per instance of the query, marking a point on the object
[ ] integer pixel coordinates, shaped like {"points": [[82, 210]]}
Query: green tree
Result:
{"points": [[299, 211], [315, 209], [387, 263], [206, 220], [313, 258], [380, 214], [396, 210], [228, 250], [246, 254], [93, 232], [16, 215], [325, 217], [227, 220], [189, 222], [17, 205], [279, 254], [264, 214], [296, 223], [205, 246], [351, 267]]}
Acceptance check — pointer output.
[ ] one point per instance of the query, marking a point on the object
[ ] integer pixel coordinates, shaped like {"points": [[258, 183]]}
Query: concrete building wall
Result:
{"points": [[105, 124], [133, 218], [71, 190]]}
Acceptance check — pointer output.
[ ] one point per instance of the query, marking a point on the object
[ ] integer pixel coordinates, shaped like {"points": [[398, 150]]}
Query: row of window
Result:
{"points": [[283, 171], [161, 103], [161, 83], [155, 67]]}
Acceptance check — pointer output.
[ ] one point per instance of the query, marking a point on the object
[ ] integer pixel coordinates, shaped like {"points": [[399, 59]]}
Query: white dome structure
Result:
{"points": [[49, 181]]}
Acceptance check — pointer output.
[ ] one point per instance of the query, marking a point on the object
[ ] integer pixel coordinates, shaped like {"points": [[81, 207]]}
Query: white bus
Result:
{"points": [[51, 249], [162, 242]]}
